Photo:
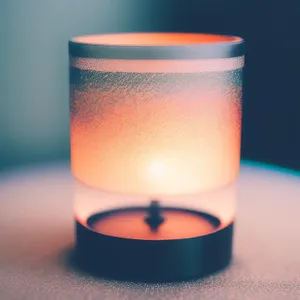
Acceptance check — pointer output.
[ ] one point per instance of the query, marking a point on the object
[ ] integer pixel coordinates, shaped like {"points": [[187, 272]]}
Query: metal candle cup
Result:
{"points": [[155, 150]]}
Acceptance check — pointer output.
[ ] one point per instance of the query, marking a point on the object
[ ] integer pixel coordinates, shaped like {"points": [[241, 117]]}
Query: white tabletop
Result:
{"points": [[37, 232]]}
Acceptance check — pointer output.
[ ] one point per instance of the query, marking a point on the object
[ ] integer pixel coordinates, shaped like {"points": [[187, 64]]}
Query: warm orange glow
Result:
{"points": [[178, 225], [182, 143], [154, 39]]}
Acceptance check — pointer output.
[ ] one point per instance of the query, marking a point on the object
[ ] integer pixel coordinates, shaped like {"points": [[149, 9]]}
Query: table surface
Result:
{"points": [[37, 233]]}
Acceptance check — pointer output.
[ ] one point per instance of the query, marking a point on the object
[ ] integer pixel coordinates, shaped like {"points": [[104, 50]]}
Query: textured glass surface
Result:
{"points": [[155, 133]]}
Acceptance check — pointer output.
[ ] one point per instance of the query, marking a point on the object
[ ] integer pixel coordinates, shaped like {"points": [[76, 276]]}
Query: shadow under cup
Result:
{"points": [[155, 150]]}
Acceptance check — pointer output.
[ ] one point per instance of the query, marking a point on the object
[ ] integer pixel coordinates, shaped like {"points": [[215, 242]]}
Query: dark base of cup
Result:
{"points": [[152, 260]]}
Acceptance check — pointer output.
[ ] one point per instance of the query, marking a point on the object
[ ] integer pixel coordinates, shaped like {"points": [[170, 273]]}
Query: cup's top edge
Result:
{"points": [[156, 46]]}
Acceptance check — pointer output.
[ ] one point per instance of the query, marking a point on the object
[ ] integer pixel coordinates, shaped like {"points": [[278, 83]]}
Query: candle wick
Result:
{"points": [[154, 218]]}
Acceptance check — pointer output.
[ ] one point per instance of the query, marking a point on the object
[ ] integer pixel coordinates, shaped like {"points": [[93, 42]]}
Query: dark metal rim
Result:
{"points": [[164, 261], [224, 49]]}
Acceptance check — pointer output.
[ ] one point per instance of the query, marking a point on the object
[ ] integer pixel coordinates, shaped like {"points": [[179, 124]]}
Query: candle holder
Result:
{"points": [[155, 150]]}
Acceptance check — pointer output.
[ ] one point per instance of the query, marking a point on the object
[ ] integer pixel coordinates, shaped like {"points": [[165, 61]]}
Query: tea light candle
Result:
{"points": [[155, 150], [150, 224]]}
